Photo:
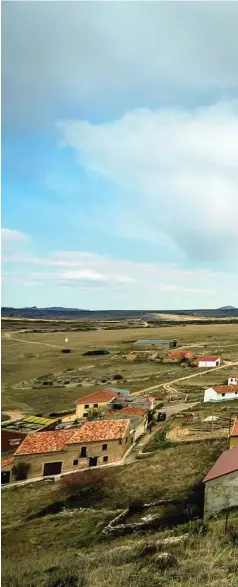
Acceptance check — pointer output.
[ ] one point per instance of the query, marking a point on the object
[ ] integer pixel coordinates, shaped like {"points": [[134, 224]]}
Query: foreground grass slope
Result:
{"points": [[67, 548]]}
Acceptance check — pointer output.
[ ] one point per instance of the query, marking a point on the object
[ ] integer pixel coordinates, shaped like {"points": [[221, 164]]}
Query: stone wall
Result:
{"points": [[221, 494]]}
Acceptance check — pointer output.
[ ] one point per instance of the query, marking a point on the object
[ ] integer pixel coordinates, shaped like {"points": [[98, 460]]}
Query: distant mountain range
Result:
{"points": [[79, 314]]}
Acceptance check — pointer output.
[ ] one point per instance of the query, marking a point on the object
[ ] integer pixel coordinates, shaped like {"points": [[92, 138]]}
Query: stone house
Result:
{"points": [[61, 451], [234, 435], [221, 484], [13, 433], [138, 420]]}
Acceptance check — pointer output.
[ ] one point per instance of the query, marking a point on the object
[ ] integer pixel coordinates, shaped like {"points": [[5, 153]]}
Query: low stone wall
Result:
{"points": [[117, 528]]}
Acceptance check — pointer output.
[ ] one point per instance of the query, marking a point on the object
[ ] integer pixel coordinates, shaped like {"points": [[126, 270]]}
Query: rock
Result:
{"points": [[164, 560]]}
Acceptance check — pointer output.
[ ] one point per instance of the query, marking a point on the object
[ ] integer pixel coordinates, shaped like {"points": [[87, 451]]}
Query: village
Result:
{"points": [[113, 426]]}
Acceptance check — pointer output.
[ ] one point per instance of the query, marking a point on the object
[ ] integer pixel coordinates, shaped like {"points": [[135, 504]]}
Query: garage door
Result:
{"points": [[52, 468]]}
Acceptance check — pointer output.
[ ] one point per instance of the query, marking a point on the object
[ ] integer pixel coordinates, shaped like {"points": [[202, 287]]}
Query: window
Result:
{"points": [[75, 462], [83, 451], [86, 406], [95, 405], [223, 394], [14, 442], [126, 440], [105, 459], [236, 392], [85, 414], [104, 447], [120, 440]]}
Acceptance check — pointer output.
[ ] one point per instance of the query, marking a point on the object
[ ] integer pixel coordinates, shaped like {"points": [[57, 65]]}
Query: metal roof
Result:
{"points": [[28, 423]]}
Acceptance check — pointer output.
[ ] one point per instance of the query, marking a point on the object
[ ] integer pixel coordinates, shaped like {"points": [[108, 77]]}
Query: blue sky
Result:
{"points": [[119, 154]]}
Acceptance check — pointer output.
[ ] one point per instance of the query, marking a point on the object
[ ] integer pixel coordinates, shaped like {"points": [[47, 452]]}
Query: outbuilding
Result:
{"points": [[233, 380], [209, 361], [219, 393], [221, 484], [234, 435]]}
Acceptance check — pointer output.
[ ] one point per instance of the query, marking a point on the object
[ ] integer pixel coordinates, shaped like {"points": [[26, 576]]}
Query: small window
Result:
{"points": [[75, 462], [236, 392], [14, 442], [86, 406], [104, 447], [223, 394], [105, 459], [85, 414], [95, 405], [126, 440], [83, 451], [120, 440]]}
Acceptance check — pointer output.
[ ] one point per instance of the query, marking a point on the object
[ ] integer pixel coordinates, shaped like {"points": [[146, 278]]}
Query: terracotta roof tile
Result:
{"points": [[8, 461], [227, 463], [234, 431], [45, 442], [225, 388], [136, 411], [97, 397], [100, 430]]}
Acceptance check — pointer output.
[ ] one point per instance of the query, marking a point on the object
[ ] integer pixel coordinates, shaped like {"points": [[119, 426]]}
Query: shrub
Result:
{"points": [[135, 506], [20, 471], [83, 480]]}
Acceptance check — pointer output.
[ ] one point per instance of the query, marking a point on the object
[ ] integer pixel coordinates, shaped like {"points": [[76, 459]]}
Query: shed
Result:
{"points": [[221, 484]]}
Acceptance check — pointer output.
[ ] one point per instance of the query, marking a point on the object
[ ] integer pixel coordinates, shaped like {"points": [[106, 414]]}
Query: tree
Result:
{"points": [[20, 471]]}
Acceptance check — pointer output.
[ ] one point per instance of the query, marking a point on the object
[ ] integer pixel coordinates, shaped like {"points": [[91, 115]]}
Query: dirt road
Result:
{"points": [[168, 383], [170, 411]]}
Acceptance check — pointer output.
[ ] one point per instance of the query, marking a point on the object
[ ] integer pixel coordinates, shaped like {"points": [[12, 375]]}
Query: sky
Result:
{"points": [[120, 154]]}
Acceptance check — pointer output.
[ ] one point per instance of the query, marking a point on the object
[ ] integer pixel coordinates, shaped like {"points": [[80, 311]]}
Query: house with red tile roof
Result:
{"points": [[219, 393], [6, 467], [221, 484], [61, 451], [209, 361], [138, 418], [97, 400], [234, 435]]}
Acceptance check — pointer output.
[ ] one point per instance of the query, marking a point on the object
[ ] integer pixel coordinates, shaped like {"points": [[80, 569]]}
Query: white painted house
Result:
{"points": [[233, 380], [220, 393], [209, 361]]}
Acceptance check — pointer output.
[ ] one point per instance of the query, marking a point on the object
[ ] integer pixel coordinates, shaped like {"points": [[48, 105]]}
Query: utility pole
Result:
{"points": [[212, 415]]}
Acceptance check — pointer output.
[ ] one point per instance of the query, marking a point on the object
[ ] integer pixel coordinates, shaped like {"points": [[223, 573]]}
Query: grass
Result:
{"points": [[23, 360], [67, 549]]}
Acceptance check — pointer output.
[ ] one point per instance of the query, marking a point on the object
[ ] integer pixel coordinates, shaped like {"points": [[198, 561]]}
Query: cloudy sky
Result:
{"points": [[120, 154]]}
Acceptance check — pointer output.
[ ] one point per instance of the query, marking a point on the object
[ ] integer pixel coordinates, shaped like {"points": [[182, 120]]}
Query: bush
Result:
{"points": [[20, 471], [135, 506], [83, 480]]}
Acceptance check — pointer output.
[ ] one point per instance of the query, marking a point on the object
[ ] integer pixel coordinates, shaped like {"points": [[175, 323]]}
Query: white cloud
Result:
{"points": [[142, 284], [114, 55], [179, 171], [9, 236]]}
